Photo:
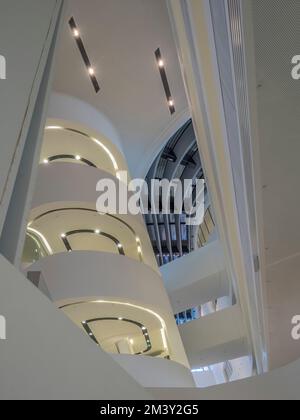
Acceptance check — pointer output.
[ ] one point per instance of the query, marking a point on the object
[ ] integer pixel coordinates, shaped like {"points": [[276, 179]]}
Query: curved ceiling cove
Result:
{"points": [[107, 321], [170, 234], [65, 229], [71, 142]]}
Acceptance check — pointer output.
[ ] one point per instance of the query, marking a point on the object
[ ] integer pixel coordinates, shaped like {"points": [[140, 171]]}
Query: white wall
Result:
{"points": [[24, 34], [215, 338], [65, 107], [196, 278]]}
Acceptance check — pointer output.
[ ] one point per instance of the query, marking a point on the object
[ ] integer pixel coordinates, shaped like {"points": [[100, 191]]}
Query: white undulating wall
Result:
{"points": [[57, 186], [109, 276], [30, 365]]}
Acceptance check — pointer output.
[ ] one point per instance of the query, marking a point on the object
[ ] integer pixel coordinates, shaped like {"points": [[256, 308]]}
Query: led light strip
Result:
{"points": [[145, 333], [64, 237], [43, 239], [162, 322]]}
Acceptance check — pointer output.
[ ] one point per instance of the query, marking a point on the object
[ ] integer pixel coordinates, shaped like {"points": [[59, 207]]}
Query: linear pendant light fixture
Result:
{"points": [[163, 75], [84, 55]]}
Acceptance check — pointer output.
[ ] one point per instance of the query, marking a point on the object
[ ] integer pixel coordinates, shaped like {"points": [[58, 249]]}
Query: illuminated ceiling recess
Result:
{"points": [[82, 50]]}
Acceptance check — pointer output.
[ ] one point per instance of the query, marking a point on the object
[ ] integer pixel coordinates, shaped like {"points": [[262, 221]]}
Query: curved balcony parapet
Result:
{"points": [[82, 277], [59, 194], [156, 372]]}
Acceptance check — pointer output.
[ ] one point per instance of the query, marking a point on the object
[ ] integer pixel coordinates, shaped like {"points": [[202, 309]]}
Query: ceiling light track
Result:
{"points": [[144, 330], [86, 60], [72, 157], [98, 142], [164, 79], [66, 242]]}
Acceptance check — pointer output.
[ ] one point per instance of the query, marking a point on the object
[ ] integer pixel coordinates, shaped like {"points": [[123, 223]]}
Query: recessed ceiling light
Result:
{"points": [[139, 249], [171, 102], [120, 319], [91, 71], [45, 161], [76, 33], [120, 246], [131, 341], [77, 157], [161, 63], [63, 235], [97, 231]]}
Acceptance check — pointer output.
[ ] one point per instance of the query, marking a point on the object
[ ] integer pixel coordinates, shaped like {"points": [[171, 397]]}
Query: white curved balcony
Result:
{"points": [[63, 137], [65, 203], [114, 299]]}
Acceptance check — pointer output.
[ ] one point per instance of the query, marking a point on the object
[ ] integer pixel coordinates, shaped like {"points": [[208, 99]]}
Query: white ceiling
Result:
{"points": [[120, 37]]}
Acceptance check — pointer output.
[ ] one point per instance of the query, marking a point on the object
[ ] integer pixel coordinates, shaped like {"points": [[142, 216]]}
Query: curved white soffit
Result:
{"points": [[97, 141], [69, 108], [163, 330], [133, 305], [155, 147]]}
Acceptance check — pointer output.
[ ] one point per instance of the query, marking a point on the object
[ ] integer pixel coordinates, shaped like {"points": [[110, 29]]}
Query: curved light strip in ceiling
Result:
{"points": [[35, 240], [98, 142], [132, 305], [43, 239], [144, 330], [137, 239]]}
